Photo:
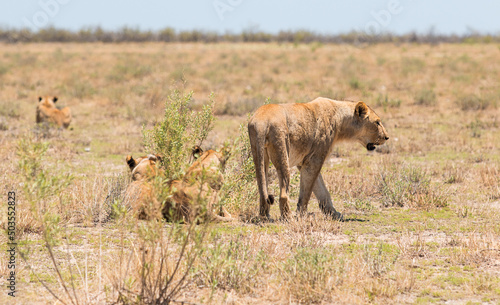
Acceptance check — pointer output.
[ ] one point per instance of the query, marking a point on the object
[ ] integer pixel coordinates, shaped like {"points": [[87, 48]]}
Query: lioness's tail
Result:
{"points": [[258, 142]]}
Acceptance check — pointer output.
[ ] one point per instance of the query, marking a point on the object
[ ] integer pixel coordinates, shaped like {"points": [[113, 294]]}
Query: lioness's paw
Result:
{"points": [[338, 216]]}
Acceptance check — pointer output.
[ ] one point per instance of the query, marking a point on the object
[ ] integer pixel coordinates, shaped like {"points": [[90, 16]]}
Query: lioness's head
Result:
{"points": [[47, 101], [222, 155], [143, 167], [371, 132]]}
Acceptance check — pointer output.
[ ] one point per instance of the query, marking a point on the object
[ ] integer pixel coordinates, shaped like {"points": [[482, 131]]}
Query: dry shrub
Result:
{"points": [[310, 275], [314, 230], [410, 186], [236, 263], [490, 178], [92, 200], [25, 220], [473, 102], [453, 174], [315, 275], [154, 267], [411, 244], [490, 175], [425, 97], [359, 184], [474, 248]]}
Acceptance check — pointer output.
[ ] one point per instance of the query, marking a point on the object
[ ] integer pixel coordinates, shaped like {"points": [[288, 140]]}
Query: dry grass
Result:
{"points": [[422, 213]]}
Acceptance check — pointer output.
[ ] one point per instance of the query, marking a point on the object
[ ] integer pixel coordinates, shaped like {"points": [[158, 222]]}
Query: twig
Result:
{"points": [[498, 250], [40, 280], [49, 248], [183, 302], [71, 270]]}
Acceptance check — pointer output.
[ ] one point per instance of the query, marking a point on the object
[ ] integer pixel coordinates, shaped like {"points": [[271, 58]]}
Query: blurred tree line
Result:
{"points": [[127, 34]]}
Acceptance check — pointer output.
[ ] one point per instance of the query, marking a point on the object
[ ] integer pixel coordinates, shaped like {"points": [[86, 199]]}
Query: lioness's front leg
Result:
{"points": [[308, 175], [324, 198]]}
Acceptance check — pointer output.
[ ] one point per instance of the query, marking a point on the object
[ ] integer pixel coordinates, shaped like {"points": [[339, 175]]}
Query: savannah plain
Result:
{"points": [[422, 213]]}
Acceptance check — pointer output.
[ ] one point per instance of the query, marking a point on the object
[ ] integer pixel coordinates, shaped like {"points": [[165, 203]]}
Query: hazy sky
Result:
{"points": [[322, 16]]}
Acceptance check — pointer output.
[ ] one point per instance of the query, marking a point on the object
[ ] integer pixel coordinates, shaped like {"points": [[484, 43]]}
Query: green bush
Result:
{"points": [[472, 102], [44, 191], [169, 252], [426, 97], [239, 178], [180, 130], [42, 188]]}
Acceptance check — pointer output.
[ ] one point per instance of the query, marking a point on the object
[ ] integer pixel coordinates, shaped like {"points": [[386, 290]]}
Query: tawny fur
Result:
{"points": [[46, 111], [202, 181], [209, 165], [304, 135], [139, 193]]}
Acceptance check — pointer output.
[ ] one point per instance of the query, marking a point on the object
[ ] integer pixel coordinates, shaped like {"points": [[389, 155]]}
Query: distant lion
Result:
{"points": [[304, 135], [46, 111]]}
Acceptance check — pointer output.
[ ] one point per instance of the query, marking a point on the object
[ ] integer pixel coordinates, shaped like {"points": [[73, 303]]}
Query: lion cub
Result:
{"points": [[139, 193], [304, 135], [202, 181], [46, 111]]}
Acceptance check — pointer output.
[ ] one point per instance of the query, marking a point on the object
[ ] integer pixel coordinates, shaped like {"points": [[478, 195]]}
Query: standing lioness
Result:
{"points": [[303, 135]]}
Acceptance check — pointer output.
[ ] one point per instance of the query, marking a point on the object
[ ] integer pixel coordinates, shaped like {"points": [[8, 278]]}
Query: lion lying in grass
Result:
{"points": [[47, 112], [139, 192], [191, 198], [197, 193]]}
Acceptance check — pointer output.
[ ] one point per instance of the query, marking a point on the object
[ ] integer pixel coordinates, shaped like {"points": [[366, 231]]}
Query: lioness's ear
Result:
{"points": [[131, 162], [54, 99], [158, 157], [40, 99], [361, 110], [197, 151]]}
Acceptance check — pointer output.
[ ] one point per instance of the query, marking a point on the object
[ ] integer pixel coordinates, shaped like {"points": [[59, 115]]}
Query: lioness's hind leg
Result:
{"points": [[259, 153], [279, 157], [270, 198]]}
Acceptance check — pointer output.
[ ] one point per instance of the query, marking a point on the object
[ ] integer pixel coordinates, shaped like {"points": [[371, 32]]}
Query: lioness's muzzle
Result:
{"points": [[370, 146]]}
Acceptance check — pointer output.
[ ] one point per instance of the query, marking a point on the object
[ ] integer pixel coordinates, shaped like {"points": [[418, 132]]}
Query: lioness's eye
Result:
{"points": [[378, 123]]}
